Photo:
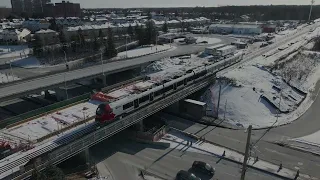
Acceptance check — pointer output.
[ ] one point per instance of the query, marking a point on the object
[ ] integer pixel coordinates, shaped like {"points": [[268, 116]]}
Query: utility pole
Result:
{"points": [[219, 100], [312, 2], [246, 155]]}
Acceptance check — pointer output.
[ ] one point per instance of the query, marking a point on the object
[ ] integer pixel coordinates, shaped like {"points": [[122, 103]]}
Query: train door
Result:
{"points": [[151, 96], [175, 86], [136, 103]]}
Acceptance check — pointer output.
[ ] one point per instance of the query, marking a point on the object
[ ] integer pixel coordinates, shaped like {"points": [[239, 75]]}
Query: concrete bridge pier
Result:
{"points": [[140, 126]]}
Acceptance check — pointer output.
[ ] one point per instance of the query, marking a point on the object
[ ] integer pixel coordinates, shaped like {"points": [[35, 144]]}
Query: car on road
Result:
{"points": [[185, 175], [203, 167]]}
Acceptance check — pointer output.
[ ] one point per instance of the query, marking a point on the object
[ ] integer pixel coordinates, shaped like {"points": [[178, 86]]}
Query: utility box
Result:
{"points": [[195, 109]]}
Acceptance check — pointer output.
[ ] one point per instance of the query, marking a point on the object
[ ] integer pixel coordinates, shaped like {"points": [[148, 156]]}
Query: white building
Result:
{"points": [[15, 35], [235, 29]]}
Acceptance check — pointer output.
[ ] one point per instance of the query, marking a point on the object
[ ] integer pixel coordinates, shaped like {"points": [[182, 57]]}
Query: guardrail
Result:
{"points": [[75, 147]]}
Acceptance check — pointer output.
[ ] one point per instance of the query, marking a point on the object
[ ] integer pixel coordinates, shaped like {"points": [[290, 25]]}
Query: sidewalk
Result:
{"points": [[177, 139]]}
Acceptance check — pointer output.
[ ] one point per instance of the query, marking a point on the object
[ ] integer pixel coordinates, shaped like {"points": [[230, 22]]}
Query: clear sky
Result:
{"points": [[172, 3]]}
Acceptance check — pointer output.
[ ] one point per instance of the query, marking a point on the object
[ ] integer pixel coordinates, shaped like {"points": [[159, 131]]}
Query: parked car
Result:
{"points": [[203, 167], [185, 175]]}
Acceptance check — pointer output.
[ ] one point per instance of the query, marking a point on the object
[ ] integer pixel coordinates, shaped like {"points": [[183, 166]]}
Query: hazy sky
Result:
{"points": [[172, 3]]}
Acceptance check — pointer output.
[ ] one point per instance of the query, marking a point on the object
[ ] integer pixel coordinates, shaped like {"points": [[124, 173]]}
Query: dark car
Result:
{"points": [[185, 175], [203, 167]]}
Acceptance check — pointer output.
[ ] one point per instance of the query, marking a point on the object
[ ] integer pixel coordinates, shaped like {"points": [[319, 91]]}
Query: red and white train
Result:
{"points": [[110, 111]]}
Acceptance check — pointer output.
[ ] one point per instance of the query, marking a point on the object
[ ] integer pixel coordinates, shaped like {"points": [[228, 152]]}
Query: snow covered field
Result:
{"points": [[144, 51], [255, 91], [14, 51]]}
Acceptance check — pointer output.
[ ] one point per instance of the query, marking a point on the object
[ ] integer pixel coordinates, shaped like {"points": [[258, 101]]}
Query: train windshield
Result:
{"points": [[100, 109]]}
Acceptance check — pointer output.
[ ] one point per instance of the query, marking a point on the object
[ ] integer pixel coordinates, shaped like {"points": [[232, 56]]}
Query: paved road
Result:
{"points": [[122, 159], [46, 82]]}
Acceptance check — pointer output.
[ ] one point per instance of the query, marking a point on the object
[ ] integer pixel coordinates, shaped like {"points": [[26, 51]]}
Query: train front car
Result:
{"points": [[104, 114]]}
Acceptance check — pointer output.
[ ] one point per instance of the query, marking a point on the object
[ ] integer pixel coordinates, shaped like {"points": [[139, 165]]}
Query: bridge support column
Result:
{"points": [[87, 157]]}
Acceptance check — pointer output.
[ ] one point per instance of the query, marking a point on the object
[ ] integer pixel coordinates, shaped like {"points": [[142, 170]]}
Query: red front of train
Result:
{"points": [[104, 112]]}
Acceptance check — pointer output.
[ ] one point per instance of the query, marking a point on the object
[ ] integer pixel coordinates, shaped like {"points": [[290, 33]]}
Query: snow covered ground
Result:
{"points": [[27, 62], [14, 51], [144, 51], [168, 68], [180, 141], [251, 96], [5, 78]]}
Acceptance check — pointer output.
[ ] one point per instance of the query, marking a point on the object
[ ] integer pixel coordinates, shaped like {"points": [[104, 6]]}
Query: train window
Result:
{"points": [[166, 89], [157, 93], [143, 99], [151, 97], [128, 105]]}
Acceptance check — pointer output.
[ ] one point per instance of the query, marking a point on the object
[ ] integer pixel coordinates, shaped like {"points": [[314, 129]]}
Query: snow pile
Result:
{"points": [[5, 78], [141, 51], [14, 51], [208, 39], [256, 92]]}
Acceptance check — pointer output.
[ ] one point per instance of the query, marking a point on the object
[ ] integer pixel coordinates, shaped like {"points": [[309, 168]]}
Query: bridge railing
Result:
{"points": [[71, 149]]}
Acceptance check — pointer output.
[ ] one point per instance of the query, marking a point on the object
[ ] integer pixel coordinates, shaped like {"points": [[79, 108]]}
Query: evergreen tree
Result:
{"points": [[62, 37], [101, 36], [96, 45], [165, 27], [151, 33], [53, 24], [130, 30], [37, 46], [54, 173], [110, 51]]}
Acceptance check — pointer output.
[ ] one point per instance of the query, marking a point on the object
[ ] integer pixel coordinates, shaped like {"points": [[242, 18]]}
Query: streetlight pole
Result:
{"points": [[312, 2], [11, 71], [101, 63], [67, 67], [126, 47]]}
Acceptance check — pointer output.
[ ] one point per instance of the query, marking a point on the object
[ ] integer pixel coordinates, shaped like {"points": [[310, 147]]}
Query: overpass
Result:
{"points": [[34, 85], [56, 151]]}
